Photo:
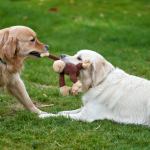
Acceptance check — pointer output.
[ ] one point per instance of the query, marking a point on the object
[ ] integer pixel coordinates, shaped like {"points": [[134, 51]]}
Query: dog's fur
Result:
{"points": [[110, 93], [18, 43]]}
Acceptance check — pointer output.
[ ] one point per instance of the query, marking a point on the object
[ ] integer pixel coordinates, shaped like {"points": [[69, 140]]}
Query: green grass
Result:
{"points": [[119, 30]]}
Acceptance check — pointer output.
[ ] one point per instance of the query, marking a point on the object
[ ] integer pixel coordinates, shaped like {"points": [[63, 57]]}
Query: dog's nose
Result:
{"points": [[63, 55], [47, 47]]}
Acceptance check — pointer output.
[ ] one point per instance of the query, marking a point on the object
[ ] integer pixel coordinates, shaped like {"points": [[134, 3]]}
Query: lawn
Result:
{"points": [[117, 29]]}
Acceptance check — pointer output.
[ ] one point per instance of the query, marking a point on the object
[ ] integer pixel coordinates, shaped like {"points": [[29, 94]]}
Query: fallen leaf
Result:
{"points": [[125, 12], [75, 20], [46, 105], [20, 106], [136, 51], [71, 1], [78, 19], [134, 68], [25, 17], [58, 144], [54, 10], [45, 95], [101, 15], [40, 3], [100, 39], [98, 127], [138, 14], [14, 111]]}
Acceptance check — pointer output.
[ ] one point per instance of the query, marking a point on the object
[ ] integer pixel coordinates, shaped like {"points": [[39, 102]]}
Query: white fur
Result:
{"points": [[110, 93]]}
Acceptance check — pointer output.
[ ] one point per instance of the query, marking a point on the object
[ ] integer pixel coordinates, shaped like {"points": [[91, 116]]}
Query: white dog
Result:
{"points": [[110, 93]]}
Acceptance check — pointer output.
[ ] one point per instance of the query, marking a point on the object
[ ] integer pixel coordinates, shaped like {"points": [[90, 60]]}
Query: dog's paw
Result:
{"points": [[46, 115], [42, 112]]}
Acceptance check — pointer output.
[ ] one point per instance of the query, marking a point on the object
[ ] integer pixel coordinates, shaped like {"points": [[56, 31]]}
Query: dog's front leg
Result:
{"points": [[18, 91], [70, 112]]}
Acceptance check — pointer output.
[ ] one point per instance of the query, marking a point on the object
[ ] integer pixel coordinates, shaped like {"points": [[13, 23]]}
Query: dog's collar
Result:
{"points": [[2, 61], [110, 71]]}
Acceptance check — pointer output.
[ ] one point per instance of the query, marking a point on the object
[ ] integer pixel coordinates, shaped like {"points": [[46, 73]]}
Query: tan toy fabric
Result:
{"points": [[68, 69]]}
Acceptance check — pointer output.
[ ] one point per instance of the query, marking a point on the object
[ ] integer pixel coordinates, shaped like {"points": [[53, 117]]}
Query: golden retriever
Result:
{"points": [[18, 43], [109, 92]]}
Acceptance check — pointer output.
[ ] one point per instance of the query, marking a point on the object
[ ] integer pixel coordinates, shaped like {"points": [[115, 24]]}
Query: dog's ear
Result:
{"points": [[98, 72], [9, 48]]}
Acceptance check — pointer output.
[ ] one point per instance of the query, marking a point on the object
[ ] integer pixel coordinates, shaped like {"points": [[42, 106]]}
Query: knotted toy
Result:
{"points": [[69, 69]]}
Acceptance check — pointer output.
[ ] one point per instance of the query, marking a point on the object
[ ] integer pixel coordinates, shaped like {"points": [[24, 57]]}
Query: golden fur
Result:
{"points": [[18, 43]]}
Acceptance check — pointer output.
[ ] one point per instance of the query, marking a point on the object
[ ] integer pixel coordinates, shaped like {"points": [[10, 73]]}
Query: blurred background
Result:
{"points": [[109, 27], [118, 30]]}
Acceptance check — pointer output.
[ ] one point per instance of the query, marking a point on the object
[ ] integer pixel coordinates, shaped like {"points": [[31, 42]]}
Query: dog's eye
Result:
{"points": [[79, 58], [32, 40]]}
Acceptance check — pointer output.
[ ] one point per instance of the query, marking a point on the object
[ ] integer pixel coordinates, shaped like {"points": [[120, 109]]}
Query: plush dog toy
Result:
{"points": [[69, 69]]}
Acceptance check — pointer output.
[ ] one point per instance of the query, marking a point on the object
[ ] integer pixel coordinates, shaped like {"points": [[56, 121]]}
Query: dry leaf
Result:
{"points": [[45, 95], [100, 39], [54, 10], [40, 3], [75, 20], [125, 12], [101, 15], [71, 1], [25, 17], [78, 19], [46, 105], [134, 68], [138, 14], [98, 127], [58, 144]]}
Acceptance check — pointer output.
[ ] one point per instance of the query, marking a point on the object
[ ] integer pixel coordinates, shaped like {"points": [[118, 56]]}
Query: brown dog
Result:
{"points": [[18, 43]]}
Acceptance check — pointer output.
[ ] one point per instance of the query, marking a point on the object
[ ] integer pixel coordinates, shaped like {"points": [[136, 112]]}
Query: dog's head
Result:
{"points": [[97, 71], [18, 43]]}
